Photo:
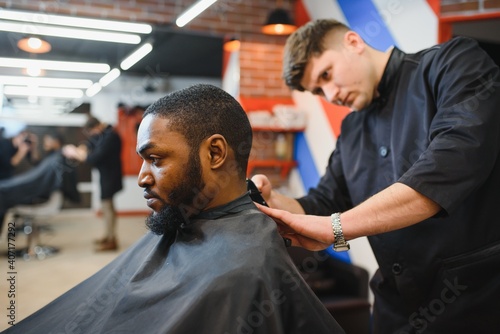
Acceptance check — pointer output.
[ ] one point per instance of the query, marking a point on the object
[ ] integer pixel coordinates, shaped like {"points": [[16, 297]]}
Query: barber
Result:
{"points": [[416, 169]]}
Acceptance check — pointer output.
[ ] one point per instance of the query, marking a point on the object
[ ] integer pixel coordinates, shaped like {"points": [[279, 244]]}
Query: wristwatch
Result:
{"points": [[339, 245]]}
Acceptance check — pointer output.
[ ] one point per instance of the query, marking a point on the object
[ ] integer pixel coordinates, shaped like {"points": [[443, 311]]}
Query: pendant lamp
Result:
{"points": [[279, 23], [34, 45]]}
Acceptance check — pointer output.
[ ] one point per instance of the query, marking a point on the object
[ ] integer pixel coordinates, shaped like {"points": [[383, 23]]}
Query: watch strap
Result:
{"points": [[340, 244]]}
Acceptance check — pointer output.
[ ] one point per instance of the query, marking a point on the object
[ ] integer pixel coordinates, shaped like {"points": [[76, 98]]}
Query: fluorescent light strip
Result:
{"points": [[92, 35], [136, 56], [71, 21], [109, 77], [94, 89], [49, 92], [193, 12], [45, 82], [55, 65]]}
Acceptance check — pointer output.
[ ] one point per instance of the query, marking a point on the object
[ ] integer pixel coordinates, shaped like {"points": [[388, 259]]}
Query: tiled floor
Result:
{"points": [[37, 282]]}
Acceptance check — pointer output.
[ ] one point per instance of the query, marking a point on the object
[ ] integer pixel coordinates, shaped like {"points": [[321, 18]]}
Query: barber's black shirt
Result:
{"points": [[105, 155], [436, 128]]}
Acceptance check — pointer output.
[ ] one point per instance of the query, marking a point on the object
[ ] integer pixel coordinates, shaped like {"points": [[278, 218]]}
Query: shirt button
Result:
{"points": [[383, 151], [397, 269]]}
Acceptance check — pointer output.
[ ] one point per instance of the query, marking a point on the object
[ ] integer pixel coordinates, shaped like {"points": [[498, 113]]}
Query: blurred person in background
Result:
{"points": [[14, 150], [35, 186], [102, 150]]}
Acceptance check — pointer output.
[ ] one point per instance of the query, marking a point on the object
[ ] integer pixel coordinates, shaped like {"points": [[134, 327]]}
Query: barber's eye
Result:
{"points": [[318, 91]]}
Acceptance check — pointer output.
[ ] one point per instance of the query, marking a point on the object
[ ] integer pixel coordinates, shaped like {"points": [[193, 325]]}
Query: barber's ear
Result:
{"points": [[354, 41], [217, 150]]}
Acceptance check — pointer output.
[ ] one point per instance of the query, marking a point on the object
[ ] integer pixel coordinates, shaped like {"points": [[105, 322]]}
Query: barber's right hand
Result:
{"points": [[69, 151], [264, 185]]}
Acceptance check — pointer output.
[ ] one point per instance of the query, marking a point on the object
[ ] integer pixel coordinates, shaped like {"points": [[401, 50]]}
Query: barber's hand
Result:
{"points": [[264, 185], [68, 150], [77, 153], [310, 232], [23, 148]]}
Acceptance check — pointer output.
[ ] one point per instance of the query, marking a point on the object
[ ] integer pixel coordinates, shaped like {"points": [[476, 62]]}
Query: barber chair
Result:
{"points": [[29, 219], [342, 287]]}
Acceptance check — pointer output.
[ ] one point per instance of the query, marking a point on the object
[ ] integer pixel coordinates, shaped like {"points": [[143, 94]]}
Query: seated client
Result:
{"points": [[212, 262]]}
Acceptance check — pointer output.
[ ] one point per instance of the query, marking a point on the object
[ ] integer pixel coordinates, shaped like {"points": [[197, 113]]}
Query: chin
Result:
{"points": [[359, 104]]}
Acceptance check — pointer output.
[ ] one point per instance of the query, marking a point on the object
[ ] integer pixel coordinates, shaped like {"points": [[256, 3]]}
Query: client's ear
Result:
{"points": [[217, 150]]}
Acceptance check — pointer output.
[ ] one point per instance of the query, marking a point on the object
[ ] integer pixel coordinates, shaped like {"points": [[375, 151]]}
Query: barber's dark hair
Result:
{"points": [[304, 43], [202, 110], [91, 123]]}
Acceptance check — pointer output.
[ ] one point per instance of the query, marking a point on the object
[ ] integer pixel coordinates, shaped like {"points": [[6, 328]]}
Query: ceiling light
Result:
{"points": [[49, 92], [193, 12], [71, 21], [34, 71], [279, 23], [34, 45], [94, 89], [45, 82], [93, 35], [232, 45], [136, 56], [109, 77], [55, 65]]}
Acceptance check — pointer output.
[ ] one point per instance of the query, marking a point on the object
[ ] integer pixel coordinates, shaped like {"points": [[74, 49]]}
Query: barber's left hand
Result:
{"points": [[310, 232]]}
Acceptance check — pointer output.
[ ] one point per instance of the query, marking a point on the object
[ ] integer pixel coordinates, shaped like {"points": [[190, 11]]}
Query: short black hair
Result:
{"points": [[91, 123], [202, 110]]}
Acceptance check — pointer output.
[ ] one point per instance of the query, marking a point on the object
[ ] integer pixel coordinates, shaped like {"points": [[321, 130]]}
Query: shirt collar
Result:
{"points": [[390, 75]]}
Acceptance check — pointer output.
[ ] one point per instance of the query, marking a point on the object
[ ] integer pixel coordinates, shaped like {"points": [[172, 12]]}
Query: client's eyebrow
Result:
{"points": [[145, 147]]}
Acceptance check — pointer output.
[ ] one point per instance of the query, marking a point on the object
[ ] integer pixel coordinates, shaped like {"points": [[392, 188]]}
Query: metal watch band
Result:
{"points": [[339, 245]]}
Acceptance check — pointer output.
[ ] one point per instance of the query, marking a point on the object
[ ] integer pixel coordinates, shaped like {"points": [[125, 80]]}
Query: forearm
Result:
{"points": [[16, 158], [395, 207]]}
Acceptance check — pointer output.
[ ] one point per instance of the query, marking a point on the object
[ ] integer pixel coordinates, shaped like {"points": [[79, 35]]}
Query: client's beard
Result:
{"points": [[166, 221], [170, 217]]}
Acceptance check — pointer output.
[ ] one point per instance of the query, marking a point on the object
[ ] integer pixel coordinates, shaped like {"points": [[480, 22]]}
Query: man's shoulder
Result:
{"points": [[454, 46]]}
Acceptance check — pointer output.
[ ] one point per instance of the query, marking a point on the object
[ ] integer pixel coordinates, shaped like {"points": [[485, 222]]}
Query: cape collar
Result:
{"points": [[242, 203]]}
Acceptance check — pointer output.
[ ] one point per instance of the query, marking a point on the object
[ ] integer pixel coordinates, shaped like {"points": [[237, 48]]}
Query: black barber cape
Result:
{"points": [[226, 271], [34, 186]]}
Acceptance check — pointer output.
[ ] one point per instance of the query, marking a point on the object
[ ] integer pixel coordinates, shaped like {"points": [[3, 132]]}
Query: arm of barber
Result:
{"points": [[27, 146], [393, 208], [22, 149], [78, 153]]}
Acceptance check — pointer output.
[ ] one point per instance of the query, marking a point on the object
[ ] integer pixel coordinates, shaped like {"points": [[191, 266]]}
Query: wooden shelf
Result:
{"points": [[276, 129], [285, 165], [263, 144]]}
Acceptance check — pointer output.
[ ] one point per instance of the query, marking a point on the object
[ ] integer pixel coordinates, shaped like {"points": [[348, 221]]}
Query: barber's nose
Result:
{"points": [[331, 93], [145, 178]]}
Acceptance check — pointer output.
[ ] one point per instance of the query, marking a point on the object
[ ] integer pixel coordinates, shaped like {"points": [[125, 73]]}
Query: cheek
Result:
{"points": [[169, 178]]}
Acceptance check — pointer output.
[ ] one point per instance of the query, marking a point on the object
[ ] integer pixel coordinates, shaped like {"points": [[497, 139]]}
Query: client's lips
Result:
{"points": [[150, 199]]}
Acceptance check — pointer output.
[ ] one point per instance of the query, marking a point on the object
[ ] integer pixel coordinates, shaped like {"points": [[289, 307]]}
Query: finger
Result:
{"points": [[258, 181], [273, 213], [263, 208]]}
